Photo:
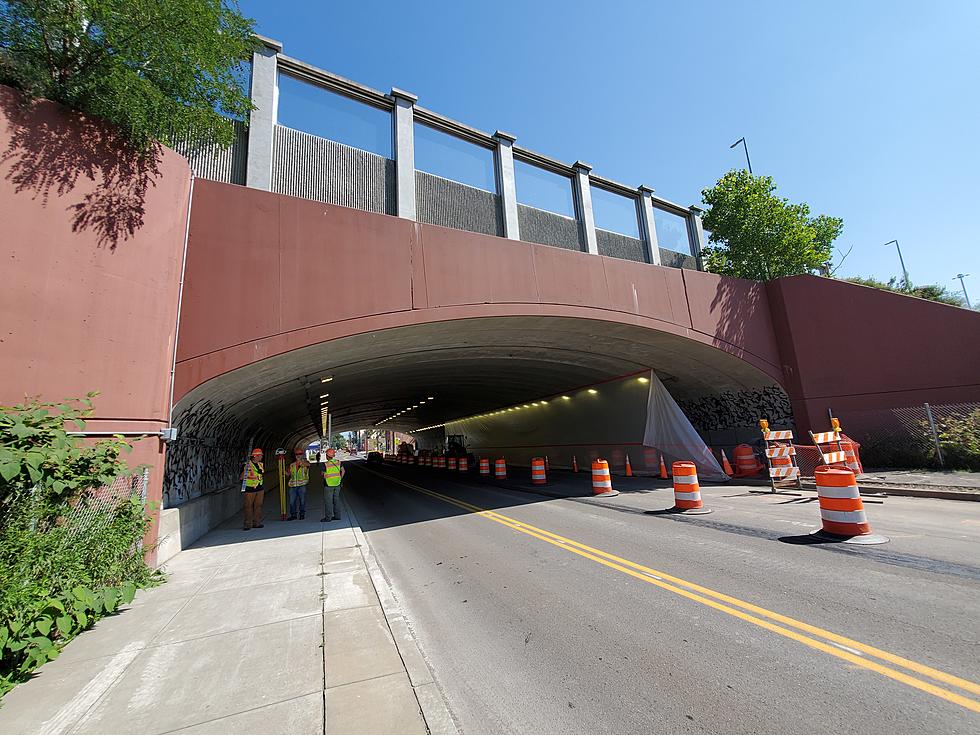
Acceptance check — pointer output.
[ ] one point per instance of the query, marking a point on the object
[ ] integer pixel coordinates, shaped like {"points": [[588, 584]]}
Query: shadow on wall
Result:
{"points": [[51, 149]]}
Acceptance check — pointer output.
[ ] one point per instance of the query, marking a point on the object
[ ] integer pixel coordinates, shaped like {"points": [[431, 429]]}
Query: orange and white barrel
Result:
{"points": [[440, 462], [746, 465], [500, 469], [601, 479], [451, 461], [484, 467], [464, 464], [538, 474], [687, 491], [841, 510]]}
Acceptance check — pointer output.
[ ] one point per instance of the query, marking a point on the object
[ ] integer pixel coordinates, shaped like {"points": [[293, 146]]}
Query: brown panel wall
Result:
{"points": [[92, 250], [849, 347]]}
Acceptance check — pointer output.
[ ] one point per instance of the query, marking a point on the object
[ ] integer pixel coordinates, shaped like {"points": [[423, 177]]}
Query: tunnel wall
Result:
{"points": [[92, 249]]}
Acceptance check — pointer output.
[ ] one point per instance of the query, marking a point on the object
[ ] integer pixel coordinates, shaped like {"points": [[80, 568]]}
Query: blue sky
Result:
{"points": [[867, 110]]}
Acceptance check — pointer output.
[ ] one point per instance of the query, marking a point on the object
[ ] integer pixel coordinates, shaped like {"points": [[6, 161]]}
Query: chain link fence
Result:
{"points": [[928, 436]]}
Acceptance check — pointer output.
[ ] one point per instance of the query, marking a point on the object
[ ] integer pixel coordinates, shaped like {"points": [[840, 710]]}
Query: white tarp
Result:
{"points": [[669, 430]]}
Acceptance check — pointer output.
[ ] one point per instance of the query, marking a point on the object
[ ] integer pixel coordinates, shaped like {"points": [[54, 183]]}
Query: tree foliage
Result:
{"points": [[930, 292], [758, 235], [159, 70]]}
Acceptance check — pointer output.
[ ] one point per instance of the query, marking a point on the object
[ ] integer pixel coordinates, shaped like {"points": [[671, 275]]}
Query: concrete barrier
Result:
{"points": [[183, 525]]}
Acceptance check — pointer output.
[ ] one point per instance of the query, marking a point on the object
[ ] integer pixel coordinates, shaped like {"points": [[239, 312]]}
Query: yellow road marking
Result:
{"points": [[703, 595]]}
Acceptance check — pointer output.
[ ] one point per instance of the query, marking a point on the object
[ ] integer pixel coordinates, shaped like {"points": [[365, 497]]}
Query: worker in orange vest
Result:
{"points": [[299, 477], [253, 491]]}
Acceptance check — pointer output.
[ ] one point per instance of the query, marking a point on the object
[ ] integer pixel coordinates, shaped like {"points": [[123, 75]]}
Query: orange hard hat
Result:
{"points": [[331, 452], [257, 452]]}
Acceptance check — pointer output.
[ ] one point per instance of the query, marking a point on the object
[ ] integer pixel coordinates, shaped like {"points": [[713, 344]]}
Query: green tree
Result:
{"points": [[759, 235], [159, 70]]}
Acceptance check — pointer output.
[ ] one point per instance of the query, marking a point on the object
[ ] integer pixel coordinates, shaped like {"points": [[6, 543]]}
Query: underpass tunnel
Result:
{"points": [[408, 378]]}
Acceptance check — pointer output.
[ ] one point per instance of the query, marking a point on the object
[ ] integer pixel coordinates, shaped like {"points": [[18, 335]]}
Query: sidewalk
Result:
{"points": [[286, 629]]}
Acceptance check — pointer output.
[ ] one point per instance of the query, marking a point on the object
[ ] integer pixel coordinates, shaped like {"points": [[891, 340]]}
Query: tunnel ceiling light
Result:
{"points": [[324, 395], [326, 379], [643, 380], [566, 398], [593, 391], [525, 406], [535, 403], [430, 398]]}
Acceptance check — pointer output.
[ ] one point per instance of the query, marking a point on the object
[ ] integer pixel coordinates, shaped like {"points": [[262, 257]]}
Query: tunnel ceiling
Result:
{"points": [[467, 366]]}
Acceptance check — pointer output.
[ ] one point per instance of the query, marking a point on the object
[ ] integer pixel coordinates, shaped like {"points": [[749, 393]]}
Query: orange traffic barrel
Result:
{"points": [[538, 474], [746, 465], [500, 469], [484, 467], [841, 509], [601, 479], [464, 464], [452, 463], [687, 491], [428, 460], [440, 462]]}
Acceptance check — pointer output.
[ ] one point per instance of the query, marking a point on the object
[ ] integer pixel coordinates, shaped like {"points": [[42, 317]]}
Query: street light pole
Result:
{"points": [[966, 298], [746, 147], [901, 260]]}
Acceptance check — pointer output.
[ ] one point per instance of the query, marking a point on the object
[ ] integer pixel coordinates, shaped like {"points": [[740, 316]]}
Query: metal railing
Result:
{"points": [[267, 155]]}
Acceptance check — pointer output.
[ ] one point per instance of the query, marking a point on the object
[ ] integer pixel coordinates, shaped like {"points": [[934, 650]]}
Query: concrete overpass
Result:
{"points": [[218, 307]]}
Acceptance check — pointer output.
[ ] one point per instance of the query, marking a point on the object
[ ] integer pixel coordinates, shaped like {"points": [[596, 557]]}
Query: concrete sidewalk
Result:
{"points": [[286, 629]]}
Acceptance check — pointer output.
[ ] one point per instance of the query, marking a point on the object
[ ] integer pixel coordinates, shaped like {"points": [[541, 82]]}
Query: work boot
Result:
{"points": [[246, 528], [291, 518], [261, 525], [302, 516], [336, 518], [324, 519]]}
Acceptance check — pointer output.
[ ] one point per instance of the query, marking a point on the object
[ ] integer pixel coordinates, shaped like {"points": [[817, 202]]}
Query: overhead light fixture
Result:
{"points": [[593, 391], [326, 379], [431, 398], [324, 395], [643, 380], [525, 406], [566, 398]]}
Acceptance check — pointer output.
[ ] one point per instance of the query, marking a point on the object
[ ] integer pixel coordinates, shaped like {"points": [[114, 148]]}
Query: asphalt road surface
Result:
{"points": [[542, 615]]}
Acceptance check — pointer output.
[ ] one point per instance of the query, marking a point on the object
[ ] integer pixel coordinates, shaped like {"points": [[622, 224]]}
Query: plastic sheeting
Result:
{"points": [[669, 430]]}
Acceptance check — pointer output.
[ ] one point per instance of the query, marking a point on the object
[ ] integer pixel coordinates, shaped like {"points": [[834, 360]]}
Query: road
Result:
{"points": [[546, 615]]}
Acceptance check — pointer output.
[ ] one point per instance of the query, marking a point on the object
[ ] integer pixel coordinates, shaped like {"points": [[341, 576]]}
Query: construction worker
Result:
{"points": [[299, 477], [254, 493], [333, 475]]}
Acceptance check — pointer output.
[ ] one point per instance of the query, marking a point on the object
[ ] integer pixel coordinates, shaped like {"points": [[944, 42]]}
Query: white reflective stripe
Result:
{"points": [[780, 452], [825, 437], [686, 496], [685, 479], [773, 435], [597, 483], [844, 516], [831, 457], [784, 471], [838, 492]]}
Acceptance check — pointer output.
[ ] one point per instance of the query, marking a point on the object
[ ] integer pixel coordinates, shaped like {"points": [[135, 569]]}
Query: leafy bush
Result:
{"points": [[959, 437], [70, 549], [929, 292]]}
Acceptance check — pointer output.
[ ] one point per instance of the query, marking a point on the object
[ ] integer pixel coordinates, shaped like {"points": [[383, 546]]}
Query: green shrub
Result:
{"points": [[70, 548], [959, 437]]}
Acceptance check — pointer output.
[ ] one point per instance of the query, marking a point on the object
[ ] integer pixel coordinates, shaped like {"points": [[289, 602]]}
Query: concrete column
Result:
{"points": [[583, 202], [648, 225], [404, 134], [697, 234], [262, 120], [506, 184]]}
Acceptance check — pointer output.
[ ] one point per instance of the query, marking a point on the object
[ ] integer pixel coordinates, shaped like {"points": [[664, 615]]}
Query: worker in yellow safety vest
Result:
{"points": [[299, 477], [253, 491], [333, 475]]}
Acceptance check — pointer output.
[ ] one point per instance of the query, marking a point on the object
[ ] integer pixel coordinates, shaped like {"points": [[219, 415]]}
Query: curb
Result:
{"points": [[432, 704], [911, 491]]}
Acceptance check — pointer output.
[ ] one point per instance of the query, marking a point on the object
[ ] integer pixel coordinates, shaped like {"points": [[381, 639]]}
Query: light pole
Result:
{"points": [[961, 276], [905, 273], [746, 147]]}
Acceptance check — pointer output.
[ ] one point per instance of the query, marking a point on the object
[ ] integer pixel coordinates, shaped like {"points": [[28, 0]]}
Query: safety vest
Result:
{"points": [[253, 473], [299, 474], [331, 472]]}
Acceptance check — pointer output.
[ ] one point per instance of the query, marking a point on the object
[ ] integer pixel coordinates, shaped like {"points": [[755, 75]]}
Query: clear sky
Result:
{"points": [[866, 110]]}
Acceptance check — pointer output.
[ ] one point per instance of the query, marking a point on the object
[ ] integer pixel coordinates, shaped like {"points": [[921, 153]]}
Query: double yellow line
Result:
{"points": [[809, 635]]}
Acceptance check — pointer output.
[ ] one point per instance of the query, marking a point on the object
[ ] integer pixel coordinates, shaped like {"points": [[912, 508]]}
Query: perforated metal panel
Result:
{"points": [[548, 228], [312, 167], [448, 203], [616, 245], [211, 161]]}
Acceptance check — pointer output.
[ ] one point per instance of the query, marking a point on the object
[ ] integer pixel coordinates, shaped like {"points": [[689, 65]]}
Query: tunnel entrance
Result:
{"points": [[408, 378]]}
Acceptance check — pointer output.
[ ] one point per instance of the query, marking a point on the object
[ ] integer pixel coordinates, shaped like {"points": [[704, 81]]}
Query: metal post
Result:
{"points": [[746, 147], [507, 184], [905, 273], [935, 436], [966, 296], [583, 202], [404, 135], [648, 224], [262, 119], [696, 234]]}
